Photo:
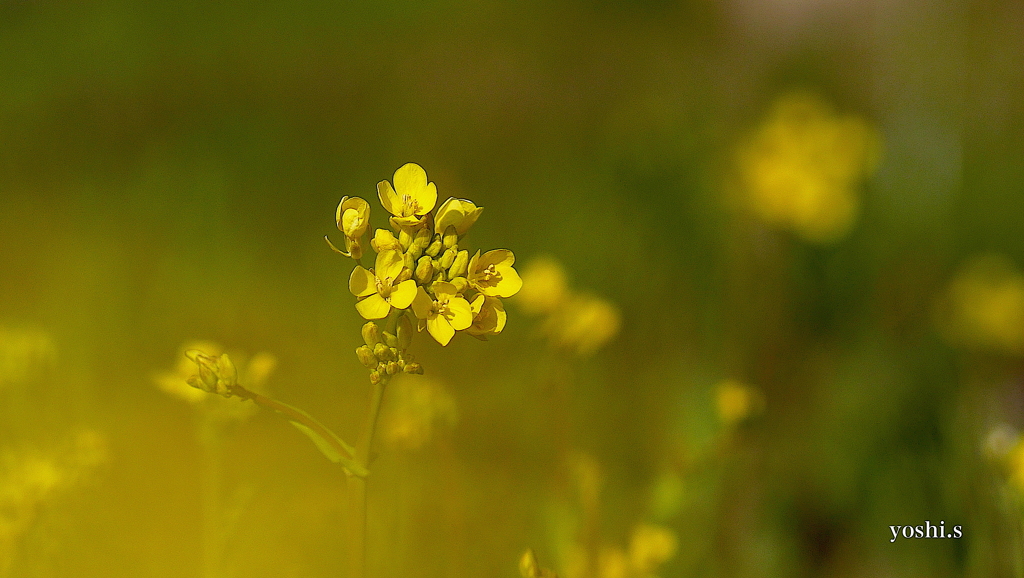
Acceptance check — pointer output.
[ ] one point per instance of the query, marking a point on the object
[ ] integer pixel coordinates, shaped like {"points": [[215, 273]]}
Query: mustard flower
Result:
{"points": [[411, 198], [444, 314], [488, 316], [378, 289], [353, 216], [492, 273], [458, 213], [384, 240]]}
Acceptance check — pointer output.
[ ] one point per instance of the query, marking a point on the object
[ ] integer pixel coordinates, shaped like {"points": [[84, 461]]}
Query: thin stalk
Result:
{"points": [[357, 486]]}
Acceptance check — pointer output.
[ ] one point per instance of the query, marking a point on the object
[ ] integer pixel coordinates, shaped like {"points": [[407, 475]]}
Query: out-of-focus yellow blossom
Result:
{"points": [[458, 213], [736, 401], [488, 316], [417, 408], [584, 324], [492, 273], [24, 353], [445, 313], [381, 289], [650, 547], [1015, 462], [544, 286], [411, 198], [983, 307], [612, 562], [800, 168]]}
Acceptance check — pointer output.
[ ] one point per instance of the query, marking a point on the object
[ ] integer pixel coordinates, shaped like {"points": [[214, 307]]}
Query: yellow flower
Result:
{"points": [[384, 240], [492, 273], [736, 401], [584, 324], [544, 286], [445, 314], [650, 547], [800, 169], [984, 306], [488, 316], [378, 289], [458, 213], [353, 216], [411, 198]]}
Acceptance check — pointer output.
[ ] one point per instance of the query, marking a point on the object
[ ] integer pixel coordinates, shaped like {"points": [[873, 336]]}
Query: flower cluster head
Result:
{"points": [[420, 275]]}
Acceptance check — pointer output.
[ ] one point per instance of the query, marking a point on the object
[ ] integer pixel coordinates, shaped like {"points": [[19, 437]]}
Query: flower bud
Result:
{"points": [[413, 368], [374, 377], [208, 377], [390, 339], [392, 368], [404, 239], [371, 334], [226, 371], [460, 265], [424, 270], [461, 284], [404, 275], [450, 238], [365, 355], [434, 248], [405, 332], [380, 351], [410, 261], [420, 242], [447, 259]]}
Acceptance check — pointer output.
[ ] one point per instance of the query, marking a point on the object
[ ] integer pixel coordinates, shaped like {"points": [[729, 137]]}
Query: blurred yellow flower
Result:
{"points": [[544, 286], [492, 273], [411, 198], [584, 324], [458, 213], [736, 402], [24, 353], [650, 547], [800, 168], [380, 289], [445, 313], [983, 307], [1015, 462]]}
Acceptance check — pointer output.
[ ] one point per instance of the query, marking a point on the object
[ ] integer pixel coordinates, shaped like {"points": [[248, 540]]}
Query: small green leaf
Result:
{"points": [[330, 451]]}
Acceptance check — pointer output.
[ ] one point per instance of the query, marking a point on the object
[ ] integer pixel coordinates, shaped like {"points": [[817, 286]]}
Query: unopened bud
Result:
{"points": [[392, 368], [380, 351], [404, 275], [404, 239], [461, 284], [208, 377], [226, 370], [424, 270], [447, 259], [450, 238], [420, 242], [390, 339], [365, 355], [460, 265], [409, 261], [434, 249], [371, 334], [405, 332], [374, 377], [413, 368]]}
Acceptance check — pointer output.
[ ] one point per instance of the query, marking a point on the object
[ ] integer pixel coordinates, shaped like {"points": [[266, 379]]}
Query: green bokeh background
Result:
{"points": [[168, 171]]}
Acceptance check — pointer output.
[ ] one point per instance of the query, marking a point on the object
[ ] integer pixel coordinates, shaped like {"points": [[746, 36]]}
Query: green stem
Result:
{"points": [[357, 486]]}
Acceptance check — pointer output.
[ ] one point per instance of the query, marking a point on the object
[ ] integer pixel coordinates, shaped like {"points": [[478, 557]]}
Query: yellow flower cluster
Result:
{"points": [[799, 170], [420, 275]]}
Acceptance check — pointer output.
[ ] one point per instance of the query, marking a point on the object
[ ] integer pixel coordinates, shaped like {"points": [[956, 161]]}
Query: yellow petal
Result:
{"points": [[460, 314], [388, 198], [389, 264], [498, 258], [443, 290], [477, 304], [510, 283], [411, 180], [373, 307], [402, 295], [361, 282], [440, 329], [459, 213], [422, 303]]}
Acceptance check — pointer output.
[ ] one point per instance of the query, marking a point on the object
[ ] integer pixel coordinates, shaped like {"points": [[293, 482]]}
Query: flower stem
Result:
{"points": [[357, 486]]}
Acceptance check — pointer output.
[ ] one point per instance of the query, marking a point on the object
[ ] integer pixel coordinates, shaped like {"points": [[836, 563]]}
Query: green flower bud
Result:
{"points": [[404, 239], [390, 339], [410, 261], [365, 355], [375, 377], [447, 259], [434, 248], [424, 270], [392, 368], [380, 351], [405, 332], [460, 265], [413, 368], [371, 334], [450, 238], [404, 275], [420, 242]]}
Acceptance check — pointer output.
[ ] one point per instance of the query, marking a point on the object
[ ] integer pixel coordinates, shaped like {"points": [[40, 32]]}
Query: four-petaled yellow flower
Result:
{"points": [[492, 273], [458, 213], [378, 288], [488, 316], [445, 314], [411, 198], [353, 216]]}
